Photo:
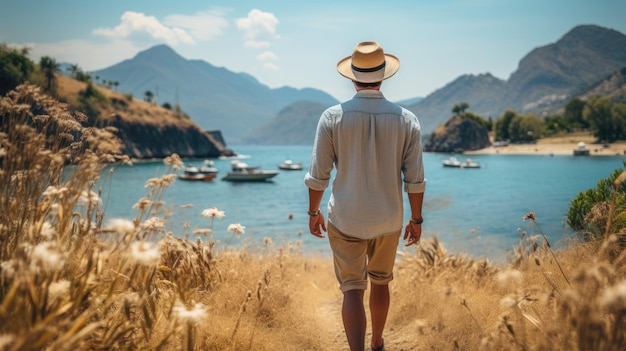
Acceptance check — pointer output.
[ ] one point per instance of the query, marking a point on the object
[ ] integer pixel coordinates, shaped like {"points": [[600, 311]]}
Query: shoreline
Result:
{"points": [[551, 148]]}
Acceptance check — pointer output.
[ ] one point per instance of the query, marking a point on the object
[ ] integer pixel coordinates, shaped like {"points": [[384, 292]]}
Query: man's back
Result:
{"points": [[372, 141]]}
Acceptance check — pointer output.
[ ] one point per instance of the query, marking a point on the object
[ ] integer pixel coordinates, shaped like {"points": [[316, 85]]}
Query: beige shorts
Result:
{"points": [[356, 259]]}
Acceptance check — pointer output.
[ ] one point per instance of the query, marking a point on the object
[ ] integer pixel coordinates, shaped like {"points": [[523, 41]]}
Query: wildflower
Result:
{"points": [[510, 275], [508, 301], [58, 290], [174, 161], [143, 203], [614, 296], [121, 226], [154, 224], [7, 269], [529, 215], [46, 256], [236, 228], [184, 314], [213, 212], [152, 183], [89, 198], [144, 253], [47, 231], [267, 241]]}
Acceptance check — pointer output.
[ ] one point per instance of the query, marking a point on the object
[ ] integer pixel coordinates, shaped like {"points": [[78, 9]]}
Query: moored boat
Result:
{"points": [[242, 172], [453, 162], [288, 165]]}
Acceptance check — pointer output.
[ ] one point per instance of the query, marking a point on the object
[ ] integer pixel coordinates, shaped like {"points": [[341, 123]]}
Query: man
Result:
{"points": [[376, 149]]}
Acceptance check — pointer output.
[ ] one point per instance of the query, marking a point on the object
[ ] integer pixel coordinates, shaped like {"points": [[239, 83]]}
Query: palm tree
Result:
{"points": [[49, 67], [148, 95]]}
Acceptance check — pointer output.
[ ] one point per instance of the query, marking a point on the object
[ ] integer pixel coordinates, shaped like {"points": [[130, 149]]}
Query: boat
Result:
{"points": [[207, 167], [453, 162], [581, 149], [288, 165], [204, 173], [243, 172]]}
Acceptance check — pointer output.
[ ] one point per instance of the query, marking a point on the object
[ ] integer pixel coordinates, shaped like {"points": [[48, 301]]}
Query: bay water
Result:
{"points": [[475, 211]]}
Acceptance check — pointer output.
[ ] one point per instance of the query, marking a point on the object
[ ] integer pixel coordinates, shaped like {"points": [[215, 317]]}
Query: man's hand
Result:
{"points": [[412, 232], [317, 224]]}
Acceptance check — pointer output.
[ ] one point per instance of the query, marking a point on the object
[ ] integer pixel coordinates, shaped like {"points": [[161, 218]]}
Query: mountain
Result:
{"points": [[547, 76], [214, 97], [294, 125]]}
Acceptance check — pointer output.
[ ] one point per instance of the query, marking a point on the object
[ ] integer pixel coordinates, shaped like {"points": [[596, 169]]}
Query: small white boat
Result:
{"points": [[207, 167], [581, 149], [288, 165], [453, 162], [242, 172]]}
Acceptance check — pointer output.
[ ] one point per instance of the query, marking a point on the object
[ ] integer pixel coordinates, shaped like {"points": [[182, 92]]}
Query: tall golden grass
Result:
{"points": [[73, 279]]}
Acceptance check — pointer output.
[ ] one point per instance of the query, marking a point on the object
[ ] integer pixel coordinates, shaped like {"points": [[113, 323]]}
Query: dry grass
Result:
{"points": [[72, 279]]}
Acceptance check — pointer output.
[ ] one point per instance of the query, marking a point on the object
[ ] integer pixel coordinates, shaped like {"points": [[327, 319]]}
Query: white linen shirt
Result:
{"points": [[376, 148]]}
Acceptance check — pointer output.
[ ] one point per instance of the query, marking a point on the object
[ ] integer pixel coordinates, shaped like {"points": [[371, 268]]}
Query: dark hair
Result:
{"points": [[367, 85]]}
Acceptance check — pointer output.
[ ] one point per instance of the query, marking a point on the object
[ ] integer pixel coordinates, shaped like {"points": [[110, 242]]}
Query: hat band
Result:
{"points": [[369, 70]]}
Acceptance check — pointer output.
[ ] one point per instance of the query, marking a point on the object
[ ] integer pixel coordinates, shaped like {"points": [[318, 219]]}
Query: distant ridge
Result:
{"points": [[215, 98], [546, 77]]}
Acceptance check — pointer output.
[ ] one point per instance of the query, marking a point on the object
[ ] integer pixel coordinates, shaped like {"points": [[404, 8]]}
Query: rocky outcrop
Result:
{"points": [[458, 134], [146, 141]]}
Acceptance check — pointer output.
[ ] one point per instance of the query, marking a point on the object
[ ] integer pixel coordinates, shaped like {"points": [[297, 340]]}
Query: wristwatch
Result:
{"points": [[417, 220], [313, 213]]}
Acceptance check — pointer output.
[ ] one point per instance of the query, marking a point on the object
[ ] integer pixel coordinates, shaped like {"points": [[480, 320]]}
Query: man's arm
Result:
{"points": [[317, 223], [413, 229]]}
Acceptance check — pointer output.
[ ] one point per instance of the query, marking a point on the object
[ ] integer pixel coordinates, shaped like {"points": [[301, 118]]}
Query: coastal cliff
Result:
{"points": [[458, 134]]}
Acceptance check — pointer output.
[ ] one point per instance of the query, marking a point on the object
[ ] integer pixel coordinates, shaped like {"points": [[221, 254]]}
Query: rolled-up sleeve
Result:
{"points": [[323, 155], [412, 163]]}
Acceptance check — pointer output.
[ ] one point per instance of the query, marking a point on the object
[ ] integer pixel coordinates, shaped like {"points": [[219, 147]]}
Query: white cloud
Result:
{"points": [[89, 56], [259, 28], [204, 25], [133, 23], [267, 56], [271, 67]]}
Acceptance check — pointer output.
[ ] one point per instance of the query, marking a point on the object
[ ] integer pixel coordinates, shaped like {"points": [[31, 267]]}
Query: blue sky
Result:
{"points": [[298, 43]]}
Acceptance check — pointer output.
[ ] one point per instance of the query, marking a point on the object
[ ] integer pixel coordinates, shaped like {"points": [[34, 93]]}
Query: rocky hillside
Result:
{"points": [[147, 131], [458, 134], [546, 77], [294, 125], [214, 97]]}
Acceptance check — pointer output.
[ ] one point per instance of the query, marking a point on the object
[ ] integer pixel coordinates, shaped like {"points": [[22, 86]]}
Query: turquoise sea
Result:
{"points": [[477, 211]]}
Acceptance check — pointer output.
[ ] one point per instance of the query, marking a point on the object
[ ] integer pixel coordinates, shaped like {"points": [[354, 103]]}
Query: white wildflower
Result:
{"points": [[121, 226], [89, 198], [236, 228], [153, 224], [509, 276], [213, 212], [152, 183], [46, 256], [614, 296], [47, 231], [143, 203], [58, 290], [144, 253], [184, 314]]}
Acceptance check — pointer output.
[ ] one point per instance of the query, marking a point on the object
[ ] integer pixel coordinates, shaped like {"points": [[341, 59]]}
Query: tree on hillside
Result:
{"points": [[459, 109], [501, 128], [148, 96], [49, 67], [525, 128], [605, 125], [574, 114], [15, 68]]}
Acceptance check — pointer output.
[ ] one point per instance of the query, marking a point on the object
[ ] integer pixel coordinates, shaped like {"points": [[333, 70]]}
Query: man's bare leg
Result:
{"points": [[354, 319], [379, 307]]}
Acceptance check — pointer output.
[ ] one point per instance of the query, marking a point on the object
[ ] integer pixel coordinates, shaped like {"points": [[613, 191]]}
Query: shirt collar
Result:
{"points": [[371, 94]]}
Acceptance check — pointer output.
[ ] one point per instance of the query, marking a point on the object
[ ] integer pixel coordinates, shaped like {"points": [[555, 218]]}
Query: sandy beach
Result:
{"points": [[556, 146]]}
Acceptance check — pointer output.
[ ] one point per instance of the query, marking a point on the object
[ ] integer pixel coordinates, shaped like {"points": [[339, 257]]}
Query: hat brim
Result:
{"points": [[392, 64]]}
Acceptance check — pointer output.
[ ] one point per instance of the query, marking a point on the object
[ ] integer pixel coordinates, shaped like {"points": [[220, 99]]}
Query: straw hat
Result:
{"points": [[368, 64]]}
